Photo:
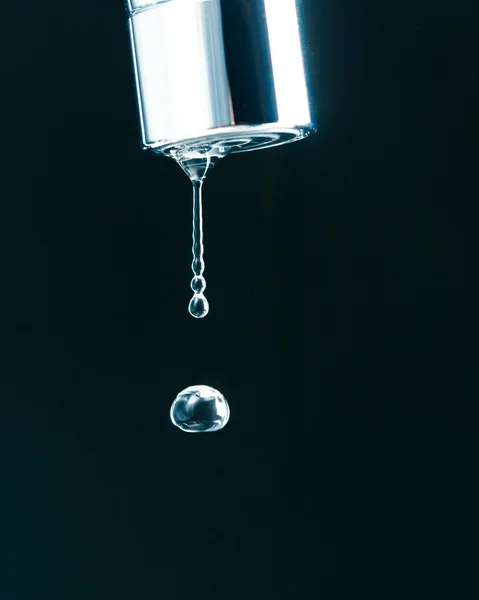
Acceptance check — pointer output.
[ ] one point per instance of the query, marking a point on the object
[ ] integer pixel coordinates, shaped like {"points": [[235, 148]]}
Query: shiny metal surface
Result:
{"points": [[228, 75]]}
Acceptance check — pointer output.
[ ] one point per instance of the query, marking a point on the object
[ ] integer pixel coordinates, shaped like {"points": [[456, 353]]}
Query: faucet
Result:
{"points": [[219, 76]]}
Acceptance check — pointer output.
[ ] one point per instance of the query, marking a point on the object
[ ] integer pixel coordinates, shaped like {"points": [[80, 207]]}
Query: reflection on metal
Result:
{"points": [[228, 74]]}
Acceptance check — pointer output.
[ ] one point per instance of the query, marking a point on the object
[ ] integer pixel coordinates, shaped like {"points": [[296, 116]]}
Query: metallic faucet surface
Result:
{"points": [[219, 76]]}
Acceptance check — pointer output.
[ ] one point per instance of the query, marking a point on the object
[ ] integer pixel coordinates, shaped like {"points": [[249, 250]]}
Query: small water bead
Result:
{"points": [[199, 306], [200, 409], [198, 285]]}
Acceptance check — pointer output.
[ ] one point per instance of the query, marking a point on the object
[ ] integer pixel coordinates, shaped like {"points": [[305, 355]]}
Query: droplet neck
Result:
{"points": [[197, 168]]}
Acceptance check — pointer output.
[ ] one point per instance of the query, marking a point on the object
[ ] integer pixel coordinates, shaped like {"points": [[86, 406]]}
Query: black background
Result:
{"points": [[339, 329]]}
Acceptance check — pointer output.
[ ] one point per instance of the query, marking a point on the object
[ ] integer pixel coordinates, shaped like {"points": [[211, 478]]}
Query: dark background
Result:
{"points": [[339, 328]]}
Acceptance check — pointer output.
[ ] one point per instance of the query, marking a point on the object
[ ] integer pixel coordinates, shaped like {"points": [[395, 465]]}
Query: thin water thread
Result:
{"points": [[199, 306], [198, 264]]}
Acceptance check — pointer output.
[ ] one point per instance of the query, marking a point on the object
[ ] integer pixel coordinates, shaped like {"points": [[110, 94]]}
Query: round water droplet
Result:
{"points": [[198, 285], [200, 409], [199, 306]]}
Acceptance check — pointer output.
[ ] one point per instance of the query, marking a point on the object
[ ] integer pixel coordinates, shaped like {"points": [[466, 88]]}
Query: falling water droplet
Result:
{"points": [[198, 285], [200, 409], [199, 306]]}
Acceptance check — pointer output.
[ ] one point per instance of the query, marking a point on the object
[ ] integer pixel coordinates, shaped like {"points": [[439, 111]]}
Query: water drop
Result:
{"points": [[200, 409], [198, 285], [199, 306]]}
